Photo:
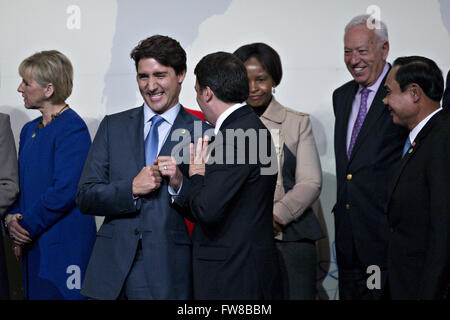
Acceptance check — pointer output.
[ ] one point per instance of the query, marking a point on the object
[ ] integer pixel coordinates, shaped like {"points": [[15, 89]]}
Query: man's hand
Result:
{"points": [[168, 168], [148, 180], [199, 157], [18, 235]]}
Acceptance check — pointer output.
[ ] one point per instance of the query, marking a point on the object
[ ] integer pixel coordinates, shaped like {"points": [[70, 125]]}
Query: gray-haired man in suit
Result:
{"points": [[367, 147]]}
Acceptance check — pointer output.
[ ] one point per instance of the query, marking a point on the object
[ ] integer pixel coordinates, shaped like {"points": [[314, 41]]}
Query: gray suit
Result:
{"points": [[105, 189], [9, 188]]}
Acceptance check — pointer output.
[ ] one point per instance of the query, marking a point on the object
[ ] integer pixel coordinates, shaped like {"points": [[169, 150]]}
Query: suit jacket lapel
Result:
{"points": [[376, 110], [418, 142], [179, 123], [345, 109], [136, 136]]}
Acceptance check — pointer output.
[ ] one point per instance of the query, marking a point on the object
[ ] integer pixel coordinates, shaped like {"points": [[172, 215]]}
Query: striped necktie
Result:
{"points": [[359, 119], [152, 140]]}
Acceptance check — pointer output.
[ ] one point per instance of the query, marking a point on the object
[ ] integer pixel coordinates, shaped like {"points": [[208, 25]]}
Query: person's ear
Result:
{"points": [[209, 94], [181, 76], [49, 90], [385, 48], [416, 92]]}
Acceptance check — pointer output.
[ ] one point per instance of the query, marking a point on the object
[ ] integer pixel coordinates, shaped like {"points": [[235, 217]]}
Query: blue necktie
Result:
{"points": [[151, 142], [406, 147]]}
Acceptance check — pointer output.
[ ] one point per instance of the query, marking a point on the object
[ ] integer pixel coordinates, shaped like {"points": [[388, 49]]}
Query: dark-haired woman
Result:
{"points": [[296, 227]]}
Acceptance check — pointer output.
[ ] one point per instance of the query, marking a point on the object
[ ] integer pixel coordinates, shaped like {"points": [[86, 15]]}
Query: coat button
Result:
{"points": [[349, 177], [347, 206]]}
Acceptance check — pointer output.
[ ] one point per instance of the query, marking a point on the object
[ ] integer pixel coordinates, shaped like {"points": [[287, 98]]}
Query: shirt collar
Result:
{"points": [[225, 115], [414, 132], [168, 116]]}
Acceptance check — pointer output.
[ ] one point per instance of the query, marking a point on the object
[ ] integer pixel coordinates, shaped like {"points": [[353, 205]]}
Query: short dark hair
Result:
{"points": [[225, 74], [266, 55], [165, 50], [424, 72]]}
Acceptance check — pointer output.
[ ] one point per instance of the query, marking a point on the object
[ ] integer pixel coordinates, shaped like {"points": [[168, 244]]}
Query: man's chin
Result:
{"points": [[360, 80], [157, 107], [395, 119]]}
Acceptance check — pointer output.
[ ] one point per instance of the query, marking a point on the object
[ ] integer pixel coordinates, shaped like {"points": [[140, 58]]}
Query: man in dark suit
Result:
{"points": [[234, 254], [446, 98], [367, 148], [143, 249], [9, 189], [419, 197]]}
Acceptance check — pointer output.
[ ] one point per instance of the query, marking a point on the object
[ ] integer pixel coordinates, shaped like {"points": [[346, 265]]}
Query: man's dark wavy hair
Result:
{"points": [[225, 74], [163, 49], [424, 72]]}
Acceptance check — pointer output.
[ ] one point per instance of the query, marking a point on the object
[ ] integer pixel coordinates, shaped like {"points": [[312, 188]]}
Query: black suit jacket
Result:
{"points": [[419, 216], [362, 180], [234, 255], [446, 98]]}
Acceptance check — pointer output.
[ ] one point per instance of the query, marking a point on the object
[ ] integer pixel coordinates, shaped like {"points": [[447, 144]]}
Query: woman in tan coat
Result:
{"points": [[296, 227]]}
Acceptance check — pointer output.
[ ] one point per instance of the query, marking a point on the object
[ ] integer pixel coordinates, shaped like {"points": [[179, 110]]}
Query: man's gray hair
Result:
{"points": [[381, 31]]}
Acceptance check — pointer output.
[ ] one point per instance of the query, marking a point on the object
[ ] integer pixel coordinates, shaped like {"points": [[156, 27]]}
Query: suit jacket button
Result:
{"points": [[349, 177], [136, 231], [347, 206]]}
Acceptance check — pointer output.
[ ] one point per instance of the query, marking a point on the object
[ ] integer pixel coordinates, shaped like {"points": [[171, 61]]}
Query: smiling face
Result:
{"points": [[364, 56], [403, 110], [33, 94], [260, 83], [158, 84]]}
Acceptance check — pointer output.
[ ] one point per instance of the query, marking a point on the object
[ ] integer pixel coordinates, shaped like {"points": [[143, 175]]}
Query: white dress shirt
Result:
{"points": [[163, 130], [414, 132], [225, 115]]}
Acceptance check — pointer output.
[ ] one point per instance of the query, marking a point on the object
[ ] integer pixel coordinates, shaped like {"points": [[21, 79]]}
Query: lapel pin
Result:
{"points": [[183, 131]]}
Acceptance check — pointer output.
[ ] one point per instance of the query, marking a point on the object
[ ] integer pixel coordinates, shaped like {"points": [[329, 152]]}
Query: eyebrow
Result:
{"points": [[156, 74], [357, 48]]}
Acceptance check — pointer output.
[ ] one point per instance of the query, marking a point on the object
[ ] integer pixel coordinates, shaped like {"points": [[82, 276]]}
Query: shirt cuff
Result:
{"points": [[283, 212], [172, 192]]}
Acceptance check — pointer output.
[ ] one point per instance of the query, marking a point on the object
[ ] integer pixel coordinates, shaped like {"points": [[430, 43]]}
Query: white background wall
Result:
{"points": [[99, 35]]}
